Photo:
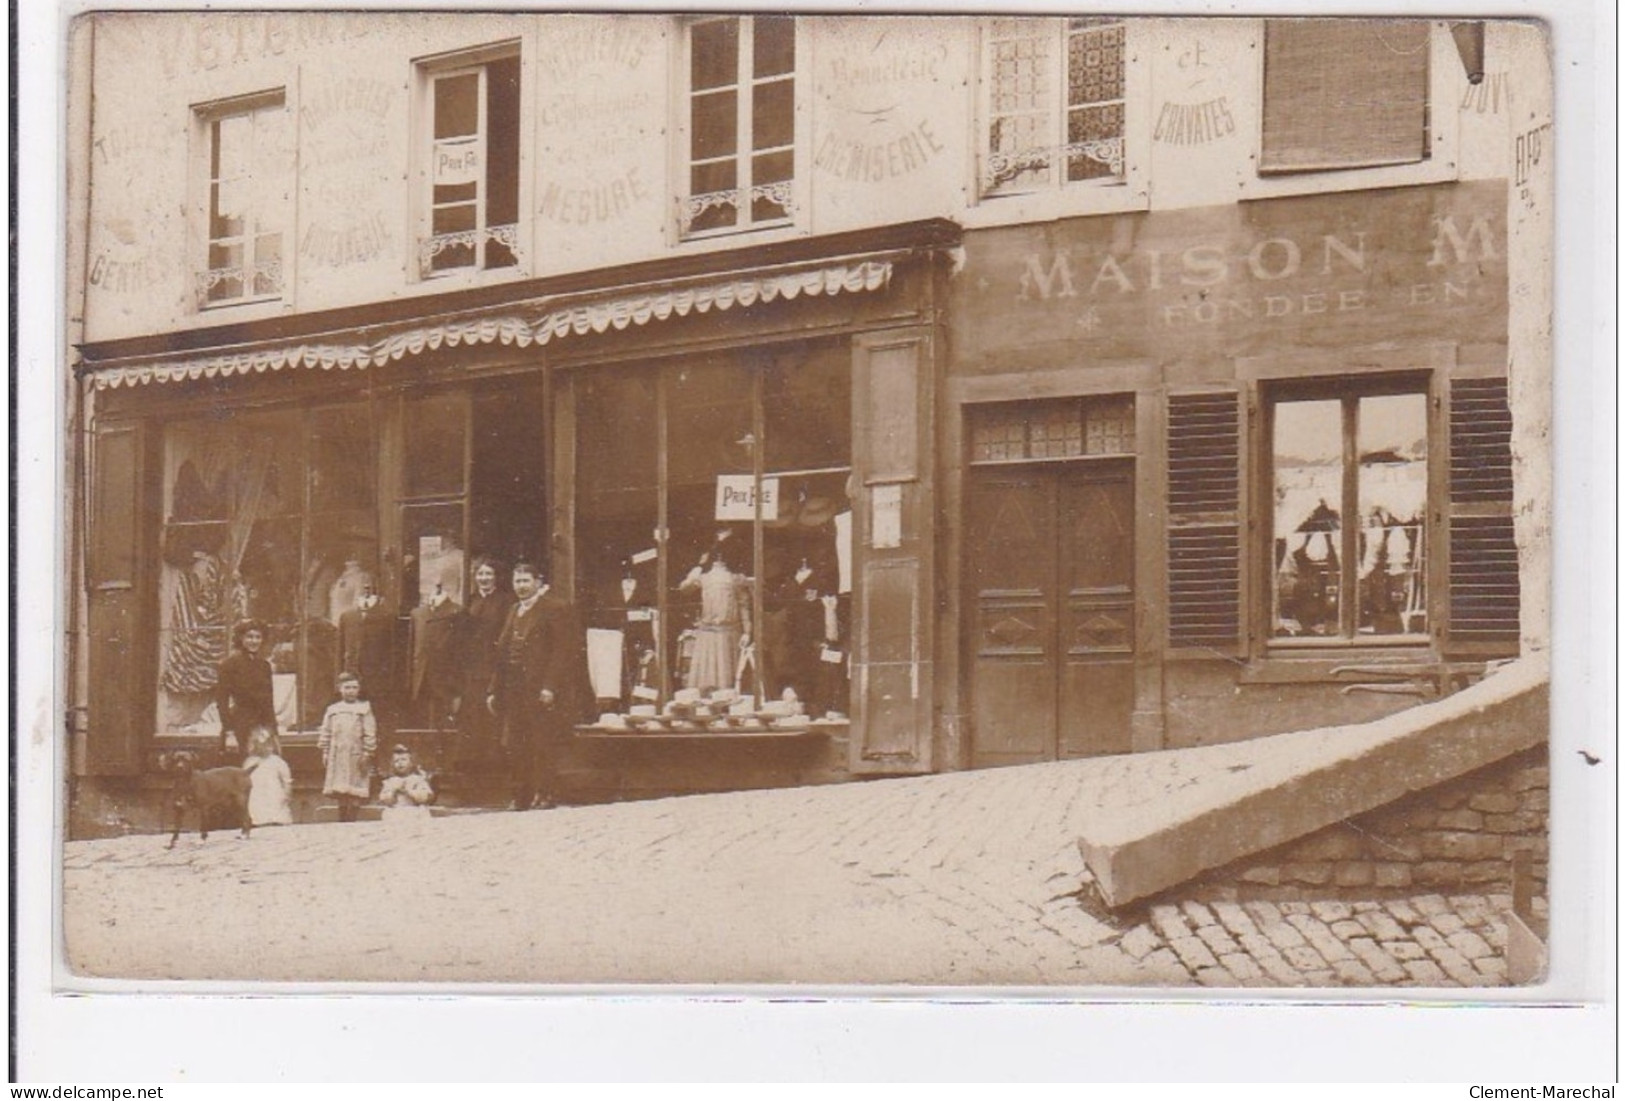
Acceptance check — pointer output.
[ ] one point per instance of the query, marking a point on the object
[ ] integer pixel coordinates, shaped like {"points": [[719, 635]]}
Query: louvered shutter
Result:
{"points": [[1204, 523], [1482, 613]]}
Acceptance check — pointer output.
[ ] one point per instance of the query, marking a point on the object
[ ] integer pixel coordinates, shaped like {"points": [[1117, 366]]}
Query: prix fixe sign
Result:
{"points": [[736, 497]]}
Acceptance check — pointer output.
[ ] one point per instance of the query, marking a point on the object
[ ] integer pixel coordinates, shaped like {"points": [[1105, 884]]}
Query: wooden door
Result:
{"points": [[1050, 561]]}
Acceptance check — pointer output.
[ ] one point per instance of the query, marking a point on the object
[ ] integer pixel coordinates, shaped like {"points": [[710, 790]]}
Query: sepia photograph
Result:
{"points": [[757, 498]]}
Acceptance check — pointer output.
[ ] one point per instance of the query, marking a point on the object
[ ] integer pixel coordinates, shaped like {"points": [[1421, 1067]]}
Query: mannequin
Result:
{"points": [[347, 590], [438, 626], [723, 627], [367, 649]]}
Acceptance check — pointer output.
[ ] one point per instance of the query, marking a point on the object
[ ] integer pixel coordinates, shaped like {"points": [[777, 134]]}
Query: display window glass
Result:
{"points": [[1349, 497], [268, 517], [713, 531]]}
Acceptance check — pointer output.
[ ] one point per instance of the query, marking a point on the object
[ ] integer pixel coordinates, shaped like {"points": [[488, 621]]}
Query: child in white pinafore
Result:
{"points": [[270, 791], [406, 792], [349, 740]]}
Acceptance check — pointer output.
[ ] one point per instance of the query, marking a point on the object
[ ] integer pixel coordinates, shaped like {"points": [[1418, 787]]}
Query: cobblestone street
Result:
{"points": [[957, 879]]}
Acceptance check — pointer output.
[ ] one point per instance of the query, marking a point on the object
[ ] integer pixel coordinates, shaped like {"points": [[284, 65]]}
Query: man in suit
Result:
{"points": [[487, 614], [537, 687]]}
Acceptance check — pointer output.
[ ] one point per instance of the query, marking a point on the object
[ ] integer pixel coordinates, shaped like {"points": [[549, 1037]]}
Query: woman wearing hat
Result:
{"points": [[242, 691]]}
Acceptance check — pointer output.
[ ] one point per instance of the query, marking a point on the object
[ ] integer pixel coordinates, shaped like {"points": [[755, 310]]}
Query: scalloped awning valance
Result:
{"points": [[520, 324]]}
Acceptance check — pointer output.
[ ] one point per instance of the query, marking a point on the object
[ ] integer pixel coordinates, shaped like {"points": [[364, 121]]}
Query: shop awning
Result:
{"points": [[520, 324]]}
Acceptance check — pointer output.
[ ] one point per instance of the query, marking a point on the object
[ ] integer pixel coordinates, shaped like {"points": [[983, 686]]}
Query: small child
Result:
{"points": [[406, 793], [270, 792], [349, 740]]}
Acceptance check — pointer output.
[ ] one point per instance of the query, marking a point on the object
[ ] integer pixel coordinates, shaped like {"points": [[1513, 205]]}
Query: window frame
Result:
{"points": [[427, 72], [1443, 121], [1130, 191], [1386, 380], [206, 119], [791, 193]]}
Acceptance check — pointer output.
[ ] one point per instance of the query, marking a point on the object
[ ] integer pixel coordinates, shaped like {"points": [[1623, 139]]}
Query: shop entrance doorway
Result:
{"points": [[1050, 579]]}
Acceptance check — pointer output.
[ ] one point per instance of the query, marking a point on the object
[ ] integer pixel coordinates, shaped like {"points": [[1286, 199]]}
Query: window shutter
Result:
{"points": [[1344, 93], [894, 625], [116, 704], [1204, 522], [1483, 561]]}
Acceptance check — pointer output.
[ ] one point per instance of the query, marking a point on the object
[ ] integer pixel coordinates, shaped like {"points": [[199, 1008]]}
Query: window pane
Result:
{"points": [[617, 510], [1096, 135], [807, 411], [502, 142], [435, 431], [1055, 431], [456, 105], [341, 459], [1308, 492], [268, 263], [234, 136], [708, 435], [1109, 426], [1393, 514], [1020, 74], [249, 472], [1094, 63], [715, 48], [775, 46], [1343, 93], [715, 130], [998, 434], [773, 118], [228, 205], [432, 558]]}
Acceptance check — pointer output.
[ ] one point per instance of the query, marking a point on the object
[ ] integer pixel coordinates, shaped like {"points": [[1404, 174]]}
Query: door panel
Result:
{"points": [[1096, 555], [1010, 528], [1050, 557]]}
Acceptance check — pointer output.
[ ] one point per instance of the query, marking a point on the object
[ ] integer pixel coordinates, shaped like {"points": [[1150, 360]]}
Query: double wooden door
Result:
{"points": [[1050, 572]]}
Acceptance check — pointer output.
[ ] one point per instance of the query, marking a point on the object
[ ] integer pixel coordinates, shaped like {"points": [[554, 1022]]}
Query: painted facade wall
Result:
{"points": [[886, 124]]}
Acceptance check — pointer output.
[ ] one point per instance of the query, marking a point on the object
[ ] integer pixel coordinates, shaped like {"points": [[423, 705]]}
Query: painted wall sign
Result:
{"points": [[1194, 123], [600, 97], [344, 128], [872, 88], [1314, 269], [237, 39]]}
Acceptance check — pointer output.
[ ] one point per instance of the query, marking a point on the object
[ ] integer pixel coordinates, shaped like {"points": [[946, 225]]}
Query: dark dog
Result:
{"points": [[219, 794]]}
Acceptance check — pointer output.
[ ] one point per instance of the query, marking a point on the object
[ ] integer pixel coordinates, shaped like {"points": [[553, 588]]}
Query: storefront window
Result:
{"points": [[1336, 460], [267, 517], [737, 601]]}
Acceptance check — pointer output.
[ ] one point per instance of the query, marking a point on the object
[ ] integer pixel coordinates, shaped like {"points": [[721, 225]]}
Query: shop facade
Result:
{"points": [[971, 392], [694, 488]]}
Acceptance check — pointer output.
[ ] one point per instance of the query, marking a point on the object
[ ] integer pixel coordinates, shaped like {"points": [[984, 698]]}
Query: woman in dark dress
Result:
{"points": [[243, 689]]}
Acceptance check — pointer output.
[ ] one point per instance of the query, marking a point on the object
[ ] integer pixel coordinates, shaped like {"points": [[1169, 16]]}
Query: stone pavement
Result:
{"points": [[961, 879]]}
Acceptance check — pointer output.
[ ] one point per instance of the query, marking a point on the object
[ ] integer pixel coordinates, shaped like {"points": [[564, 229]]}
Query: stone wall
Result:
{"points": [[1459, 836]]}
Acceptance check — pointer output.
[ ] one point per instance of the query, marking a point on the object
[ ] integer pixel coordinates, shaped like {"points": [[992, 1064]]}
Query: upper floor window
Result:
{"points": [[248, 178], [1344, 93], [741, 123], [1054, 106], [471, 218]]}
